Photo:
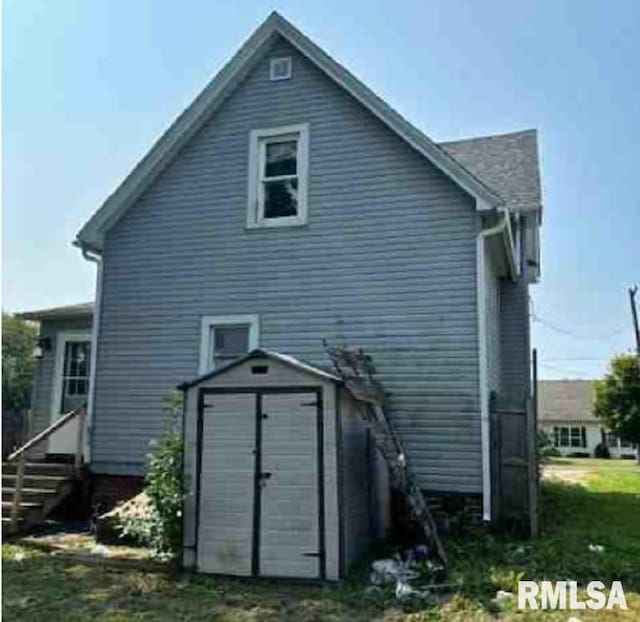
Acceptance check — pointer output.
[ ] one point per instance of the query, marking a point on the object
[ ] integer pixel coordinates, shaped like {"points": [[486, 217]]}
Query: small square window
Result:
{"points": [[280, 68], [278, 170], [225, 338], [229, 343]]}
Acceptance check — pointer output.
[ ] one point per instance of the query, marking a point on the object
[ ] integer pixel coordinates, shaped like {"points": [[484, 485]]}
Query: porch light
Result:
{"points": [[42, 345]]}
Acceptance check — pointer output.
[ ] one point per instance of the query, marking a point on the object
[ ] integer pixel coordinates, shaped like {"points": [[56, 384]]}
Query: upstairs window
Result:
{"points": [[278, 170]]}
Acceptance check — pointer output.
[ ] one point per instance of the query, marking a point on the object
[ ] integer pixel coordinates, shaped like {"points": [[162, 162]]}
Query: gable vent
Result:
{"points": [[280, 68]]}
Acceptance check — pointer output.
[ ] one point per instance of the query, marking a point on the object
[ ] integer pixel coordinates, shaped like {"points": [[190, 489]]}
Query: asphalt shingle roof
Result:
{"points": [[565, 400], [507, 163], [66, 312]]}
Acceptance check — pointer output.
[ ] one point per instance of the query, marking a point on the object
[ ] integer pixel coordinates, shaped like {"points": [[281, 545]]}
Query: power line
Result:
{"points": [[577, 358], [563, 331]]}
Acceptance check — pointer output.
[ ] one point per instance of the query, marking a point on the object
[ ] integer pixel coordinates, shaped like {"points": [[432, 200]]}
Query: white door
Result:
{"points": [[227, 483], [290, 492], [70, 386]]}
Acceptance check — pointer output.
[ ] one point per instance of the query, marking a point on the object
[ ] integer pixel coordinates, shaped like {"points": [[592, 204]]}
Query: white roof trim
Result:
{"points": [[192, 119]]}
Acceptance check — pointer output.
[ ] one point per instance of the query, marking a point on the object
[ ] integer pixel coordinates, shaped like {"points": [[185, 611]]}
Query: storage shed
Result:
{"points": [[283, 477]]}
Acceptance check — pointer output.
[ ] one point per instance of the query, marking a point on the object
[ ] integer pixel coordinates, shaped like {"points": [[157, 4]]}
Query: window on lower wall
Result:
{"points": [[278, 171], [226, 338], [570, 436], [75, 374]]}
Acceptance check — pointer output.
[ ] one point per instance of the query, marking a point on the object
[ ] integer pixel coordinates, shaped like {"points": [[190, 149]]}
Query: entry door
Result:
{"points": [[291, 486], [70, 388]]}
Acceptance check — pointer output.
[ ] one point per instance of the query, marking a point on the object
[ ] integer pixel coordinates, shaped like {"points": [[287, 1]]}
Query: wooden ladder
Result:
{"points": [[356, 370]]}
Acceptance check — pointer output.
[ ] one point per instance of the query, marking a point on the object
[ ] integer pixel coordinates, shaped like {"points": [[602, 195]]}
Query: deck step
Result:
{"points": [[49, 482], [29, 494], [23, 508], [40, 468]]}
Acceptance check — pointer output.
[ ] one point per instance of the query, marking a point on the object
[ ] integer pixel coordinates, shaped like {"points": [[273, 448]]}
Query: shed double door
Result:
{"points": [[261, 489]]}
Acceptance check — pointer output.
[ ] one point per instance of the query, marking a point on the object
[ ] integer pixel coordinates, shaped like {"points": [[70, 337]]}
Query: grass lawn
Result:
{"points": [[584, 502]]}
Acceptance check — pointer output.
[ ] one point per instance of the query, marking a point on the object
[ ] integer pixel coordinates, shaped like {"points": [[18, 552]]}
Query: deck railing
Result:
{"points": [[20, 455]]}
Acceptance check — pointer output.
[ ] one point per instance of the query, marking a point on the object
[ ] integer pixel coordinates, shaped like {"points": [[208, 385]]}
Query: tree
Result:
{"points": [[18, 339], [617, 398]]}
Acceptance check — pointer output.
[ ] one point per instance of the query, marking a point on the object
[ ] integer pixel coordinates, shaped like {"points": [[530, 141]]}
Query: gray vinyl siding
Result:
{"points": [[43, 376], [515, 341], [356, 484], [492, 310], [386, 262]]}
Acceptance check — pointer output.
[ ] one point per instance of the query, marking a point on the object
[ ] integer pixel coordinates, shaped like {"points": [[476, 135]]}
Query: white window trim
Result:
{"points": [[62, 339], [206, 342], [275, 61], [257, 138], [570, 429]]}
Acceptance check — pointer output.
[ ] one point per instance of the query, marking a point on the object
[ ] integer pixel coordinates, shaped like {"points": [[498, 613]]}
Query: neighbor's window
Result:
{"points": [[611, 439], [278, 171], [565, 436], [226, 338]]}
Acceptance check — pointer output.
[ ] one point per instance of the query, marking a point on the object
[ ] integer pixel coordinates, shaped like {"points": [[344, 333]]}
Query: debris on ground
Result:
{"points": [[412, 574], [109, 524], [503, 595], [596, 548], [101, 550]]}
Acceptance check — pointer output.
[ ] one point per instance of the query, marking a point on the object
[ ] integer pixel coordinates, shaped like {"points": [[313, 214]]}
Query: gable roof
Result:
{"points": [[187, 124], [565, 400], [261, 353], [66, 312], [508, 163]]}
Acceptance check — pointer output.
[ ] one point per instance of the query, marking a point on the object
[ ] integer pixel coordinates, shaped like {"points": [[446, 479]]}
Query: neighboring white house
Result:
{"points": [[565, 412]]}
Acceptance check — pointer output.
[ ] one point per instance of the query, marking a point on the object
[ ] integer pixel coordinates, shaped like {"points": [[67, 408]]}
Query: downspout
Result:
{"points": [[97, 259], [485, 425]]}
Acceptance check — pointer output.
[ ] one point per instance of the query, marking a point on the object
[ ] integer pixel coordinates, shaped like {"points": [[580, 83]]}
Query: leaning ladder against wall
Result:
{"points": [[356, 370]]}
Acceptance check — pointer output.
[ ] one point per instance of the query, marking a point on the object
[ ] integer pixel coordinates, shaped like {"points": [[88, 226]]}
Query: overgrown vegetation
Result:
{"points": [[585, 502], [164, 484], [18, 340], [546, 448], [617, 398]]}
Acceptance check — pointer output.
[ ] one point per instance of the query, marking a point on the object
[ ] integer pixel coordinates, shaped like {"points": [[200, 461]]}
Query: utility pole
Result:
{"points": [[634, 312]]}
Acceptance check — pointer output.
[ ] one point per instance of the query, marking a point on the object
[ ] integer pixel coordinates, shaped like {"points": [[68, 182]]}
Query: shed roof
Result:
{"points": [[565, 400], [66, 312], [261, 353]]}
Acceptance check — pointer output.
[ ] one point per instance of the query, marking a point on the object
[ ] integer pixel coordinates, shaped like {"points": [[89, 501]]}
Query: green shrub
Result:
{"points": [[546, 448], [601, 451], [164, 484]]}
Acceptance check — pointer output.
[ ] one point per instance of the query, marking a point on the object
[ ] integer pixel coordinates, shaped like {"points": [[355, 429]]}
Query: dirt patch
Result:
{"points": [[568, 476], [84, 546]]}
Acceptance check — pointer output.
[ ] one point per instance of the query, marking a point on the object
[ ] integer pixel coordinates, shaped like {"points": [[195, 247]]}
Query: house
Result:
{"points": [[565, 413], [287, 206]]}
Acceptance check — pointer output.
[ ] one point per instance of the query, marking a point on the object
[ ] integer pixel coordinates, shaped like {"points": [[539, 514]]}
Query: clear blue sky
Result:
{"points": [[89, 85]]}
